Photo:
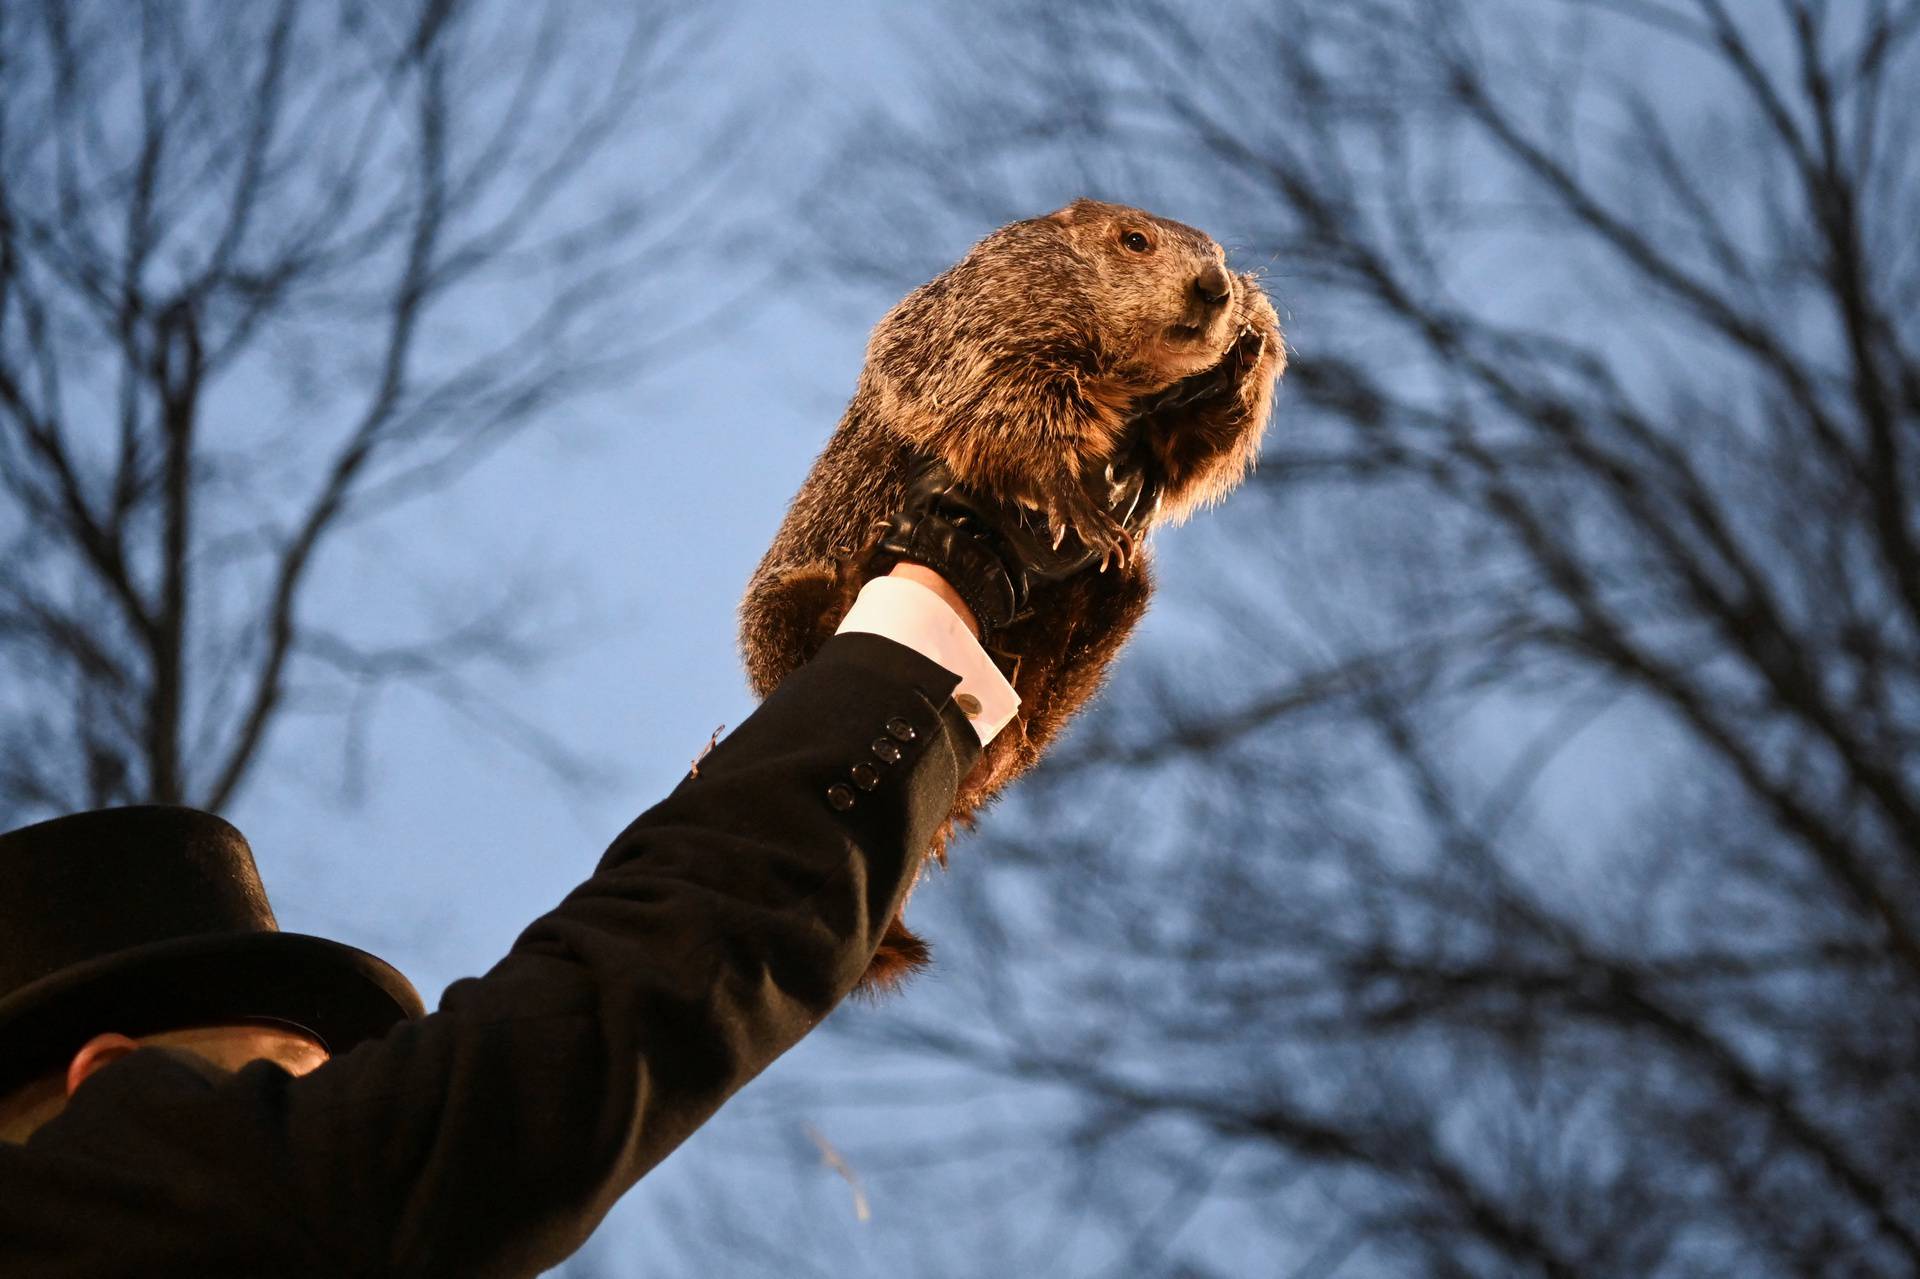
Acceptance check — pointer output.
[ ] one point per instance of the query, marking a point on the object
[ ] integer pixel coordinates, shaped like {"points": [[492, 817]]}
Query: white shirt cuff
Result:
{"points": [[908, 613]]}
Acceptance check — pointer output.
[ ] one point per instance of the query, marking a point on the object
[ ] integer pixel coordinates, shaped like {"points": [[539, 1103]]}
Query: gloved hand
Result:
{"points": [[992, 552]]}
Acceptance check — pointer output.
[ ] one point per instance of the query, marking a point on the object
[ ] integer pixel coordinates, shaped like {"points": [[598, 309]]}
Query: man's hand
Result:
{"points": [[985, 555]]}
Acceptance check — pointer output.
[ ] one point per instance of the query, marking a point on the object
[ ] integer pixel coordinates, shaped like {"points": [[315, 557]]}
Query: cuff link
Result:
{"points": [[969, 704]]}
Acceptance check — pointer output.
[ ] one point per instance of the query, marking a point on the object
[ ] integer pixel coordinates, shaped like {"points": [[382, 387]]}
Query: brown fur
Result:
{"points": [[1045, 354]]}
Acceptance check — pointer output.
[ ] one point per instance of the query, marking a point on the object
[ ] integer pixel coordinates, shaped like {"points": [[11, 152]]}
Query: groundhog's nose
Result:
{"points": [[1212, 286]]}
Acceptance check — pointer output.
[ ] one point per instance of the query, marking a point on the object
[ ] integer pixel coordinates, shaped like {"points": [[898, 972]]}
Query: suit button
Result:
{"points": [[865, 776], [900, 730], [969, 704], [887, 749], [840, 795]]}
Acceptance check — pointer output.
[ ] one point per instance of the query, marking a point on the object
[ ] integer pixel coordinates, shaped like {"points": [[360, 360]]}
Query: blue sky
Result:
{"points": [[637, 514]]}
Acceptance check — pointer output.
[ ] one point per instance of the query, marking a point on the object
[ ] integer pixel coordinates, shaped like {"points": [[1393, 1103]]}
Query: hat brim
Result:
{"points": [[340, 995]]}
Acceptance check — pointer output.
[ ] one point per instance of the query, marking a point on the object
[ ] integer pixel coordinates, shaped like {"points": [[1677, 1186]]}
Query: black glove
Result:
{"points": [[992, 552]]}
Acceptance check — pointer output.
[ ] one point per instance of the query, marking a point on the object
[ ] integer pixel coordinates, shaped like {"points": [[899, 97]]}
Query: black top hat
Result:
{"points": [[139, 920]]}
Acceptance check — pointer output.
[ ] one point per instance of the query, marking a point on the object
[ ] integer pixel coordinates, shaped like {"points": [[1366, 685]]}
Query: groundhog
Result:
{"points": [[1061, 347]]}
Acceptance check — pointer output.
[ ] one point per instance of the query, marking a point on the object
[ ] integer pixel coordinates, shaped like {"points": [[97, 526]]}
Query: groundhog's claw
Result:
{"points": [[1251, 346], [1077, 509]]}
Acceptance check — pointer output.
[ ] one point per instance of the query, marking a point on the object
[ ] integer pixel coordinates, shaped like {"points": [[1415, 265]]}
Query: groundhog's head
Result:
{"points": [[1062, 344], [1165, 304], [1094, 292]]}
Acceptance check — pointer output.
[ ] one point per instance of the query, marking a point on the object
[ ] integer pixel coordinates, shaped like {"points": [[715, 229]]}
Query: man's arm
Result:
{"points": [[491, 1137]]}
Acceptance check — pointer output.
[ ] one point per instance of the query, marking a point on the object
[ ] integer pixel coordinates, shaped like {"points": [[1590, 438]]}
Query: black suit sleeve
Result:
{"points": [[491, 1137]]}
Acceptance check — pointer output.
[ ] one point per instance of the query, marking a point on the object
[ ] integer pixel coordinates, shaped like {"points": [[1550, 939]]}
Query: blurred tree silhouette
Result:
{"points": [[268, 271], [1504, 856]]}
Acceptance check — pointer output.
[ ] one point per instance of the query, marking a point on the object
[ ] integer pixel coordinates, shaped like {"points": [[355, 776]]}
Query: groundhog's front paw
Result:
{"points": [[1223, 380], [1078, 508], [1247, 350]]}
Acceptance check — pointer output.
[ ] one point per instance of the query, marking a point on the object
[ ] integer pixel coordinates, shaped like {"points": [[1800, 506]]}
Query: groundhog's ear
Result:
{"points": [[1081, 210]]}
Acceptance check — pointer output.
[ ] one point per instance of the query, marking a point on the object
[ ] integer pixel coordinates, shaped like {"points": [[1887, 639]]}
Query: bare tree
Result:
{"points": [[268, 272], [1504, 856]]}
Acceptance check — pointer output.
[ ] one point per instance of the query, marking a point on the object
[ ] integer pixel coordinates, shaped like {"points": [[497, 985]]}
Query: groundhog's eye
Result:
{"points": [[1136, 242]]}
